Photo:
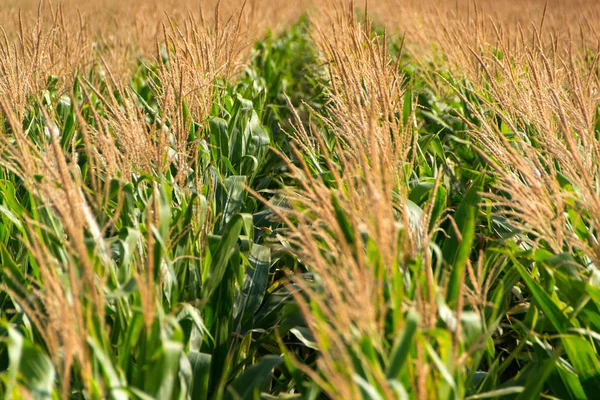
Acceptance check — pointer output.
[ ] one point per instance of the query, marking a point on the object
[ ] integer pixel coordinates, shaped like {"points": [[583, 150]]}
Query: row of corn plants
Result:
{"points": [[337, 220]]}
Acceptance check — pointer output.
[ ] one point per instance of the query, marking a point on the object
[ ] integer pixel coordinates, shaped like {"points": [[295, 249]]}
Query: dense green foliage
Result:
{"points": [[219, 319]]}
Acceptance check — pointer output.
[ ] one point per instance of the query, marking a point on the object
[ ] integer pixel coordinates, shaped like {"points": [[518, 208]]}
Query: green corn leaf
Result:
{"points": [[116, 383], [536, 379], [219, 138], [255, 286], [29, 366], [457, 249], [495, 394], [583, 357], [342, 219], [253, 379], [403, 345], [226, 248], [161, 377], [368, 391], [200, 371], [407, 107], [234, 187]]}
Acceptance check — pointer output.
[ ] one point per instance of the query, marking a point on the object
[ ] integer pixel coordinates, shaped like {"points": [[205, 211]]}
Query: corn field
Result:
{"points": [[295, 199]]}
